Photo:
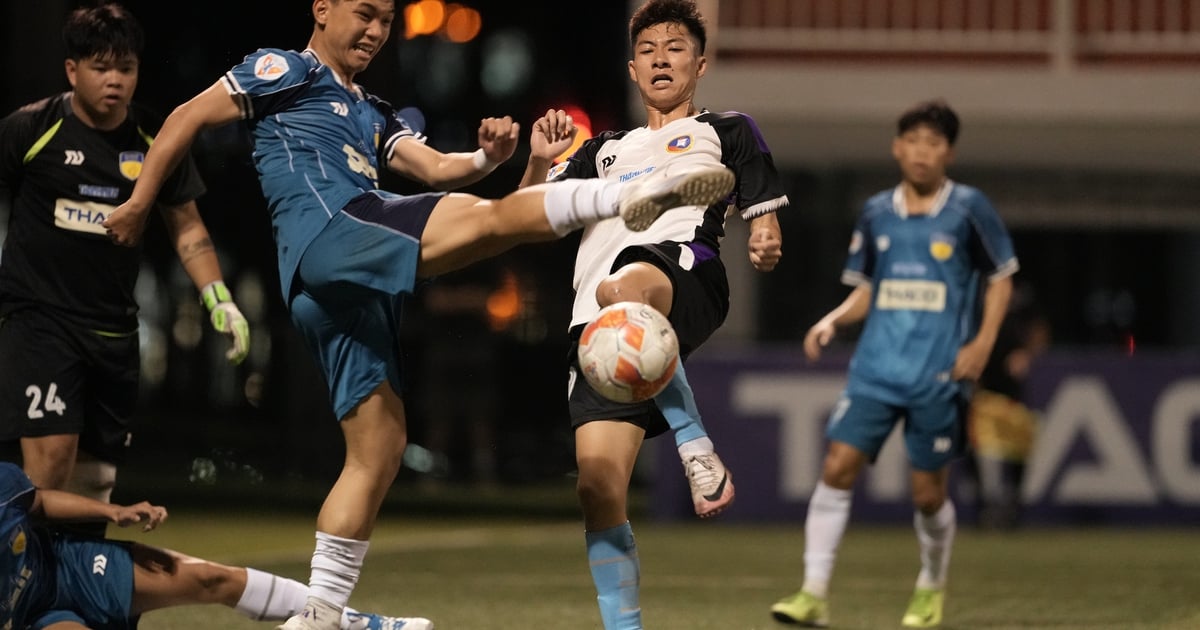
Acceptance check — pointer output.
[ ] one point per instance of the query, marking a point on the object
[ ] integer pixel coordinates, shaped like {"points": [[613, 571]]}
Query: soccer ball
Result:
{"points": [[628, 352]]}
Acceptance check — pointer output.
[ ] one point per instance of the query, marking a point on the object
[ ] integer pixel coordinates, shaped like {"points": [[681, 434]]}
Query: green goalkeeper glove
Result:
{"points": [[227, 319]]}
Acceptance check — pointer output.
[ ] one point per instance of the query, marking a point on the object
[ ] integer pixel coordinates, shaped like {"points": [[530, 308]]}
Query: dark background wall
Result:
{"points": [[1112, 285]]}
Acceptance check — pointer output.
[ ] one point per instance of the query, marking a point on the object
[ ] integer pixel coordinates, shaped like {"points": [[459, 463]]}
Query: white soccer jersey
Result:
{"points": [[711, 139]]}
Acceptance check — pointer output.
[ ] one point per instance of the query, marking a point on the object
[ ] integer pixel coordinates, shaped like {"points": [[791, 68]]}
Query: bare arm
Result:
{"points": [[448, 171], [973, 356], [535, 172], [852, 310], [192, 243], [211, 108], [766, 242], [190, 237], [58, 505], [552, 135]]}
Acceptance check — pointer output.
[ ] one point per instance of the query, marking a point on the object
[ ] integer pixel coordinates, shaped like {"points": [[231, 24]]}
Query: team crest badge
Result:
{"points": [[16, 544], [941, 246], [270, 67], [679, 145], [130, 163]]}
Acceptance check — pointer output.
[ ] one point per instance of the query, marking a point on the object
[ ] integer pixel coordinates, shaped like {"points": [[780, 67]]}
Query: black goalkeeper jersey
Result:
{"points": [[63, 179]]}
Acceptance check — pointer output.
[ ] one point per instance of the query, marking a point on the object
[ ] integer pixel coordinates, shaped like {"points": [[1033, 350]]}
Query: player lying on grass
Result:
{"points": [[63, 582]]}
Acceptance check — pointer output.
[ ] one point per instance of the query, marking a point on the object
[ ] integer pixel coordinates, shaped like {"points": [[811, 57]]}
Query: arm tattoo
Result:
{"points": [[188, 251]]}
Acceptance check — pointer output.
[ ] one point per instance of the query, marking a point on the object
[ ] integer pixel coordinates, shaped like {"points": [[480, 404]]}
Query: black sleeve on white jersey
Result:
{"points": [[184, 184], [743, 149], [582, 163]]}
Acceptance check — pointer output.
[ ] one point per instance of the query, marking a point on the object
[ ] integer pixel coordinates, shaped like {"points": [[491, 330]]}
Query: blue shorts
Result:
{"points": [[346, 299], [934, 433], [95, 585]]}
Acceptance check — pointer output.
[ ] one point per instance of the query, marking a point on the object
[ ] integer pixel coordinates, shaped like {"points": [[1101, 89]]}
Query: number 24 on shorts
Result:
{"points": [[53, 403]]}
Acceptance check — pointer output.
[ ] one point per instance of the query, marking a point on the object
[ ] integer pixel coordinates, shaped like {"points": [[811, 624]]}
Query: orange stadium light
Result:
{"points": [[584, 123], [423, 18], [462, 23], [504, 304]]}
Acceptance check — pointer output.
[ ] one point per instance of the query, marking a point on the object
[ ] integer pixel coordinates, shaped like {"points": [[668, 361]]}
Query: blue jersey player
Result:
{"points": [[931, 265], [66, 581], [347, 251]]}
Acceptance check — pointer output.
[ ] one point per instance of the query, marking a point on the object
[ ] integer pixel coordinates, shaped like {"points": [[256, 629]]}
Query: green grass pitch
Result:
{"points": [[487, 573]]}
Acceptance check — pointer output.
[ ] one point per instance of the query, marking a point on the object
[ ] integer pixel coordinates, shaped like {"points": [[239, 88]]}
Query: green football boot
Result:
{"points": [[802, 609], [924, 609]]}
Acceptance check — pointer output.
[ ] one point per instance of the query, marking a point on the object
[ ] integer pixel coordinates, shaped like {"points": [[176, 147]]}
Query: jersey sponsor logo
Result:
{"points": [[270, 67], [628, 176], [358, 163], [941, 246], [341, 109], [910, 269], [130, 163], [679, 144], [911, 295], [103, 192], [556, 170], [81, 216], [18, 586], [73, 158]]}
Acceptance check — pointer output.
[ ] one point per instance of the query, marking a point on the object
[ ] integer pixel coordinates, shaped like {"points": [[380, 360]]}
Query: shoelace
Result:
{"points": [[702, 470]]}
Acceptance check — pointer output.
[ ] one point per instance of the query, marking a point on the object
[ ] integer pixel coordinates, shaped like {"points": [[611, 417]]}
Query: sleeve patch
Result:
{"points": [[270, 67]]}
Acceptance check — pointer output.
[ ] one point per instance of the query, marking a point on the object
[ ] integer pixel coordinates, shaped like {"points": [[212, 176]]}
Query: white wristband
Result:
{"points": [[482, 163]]}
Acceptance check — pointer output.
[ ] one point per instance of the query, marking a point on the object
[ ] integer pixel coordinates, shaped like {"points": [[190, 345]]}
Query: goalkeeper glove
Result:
{"points": [[227, 319]]}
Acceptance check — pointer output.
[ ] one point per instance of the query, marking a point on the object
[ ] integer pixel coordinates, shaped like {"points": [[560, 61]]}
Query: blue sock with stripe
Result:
{"points": [[612, 555]]}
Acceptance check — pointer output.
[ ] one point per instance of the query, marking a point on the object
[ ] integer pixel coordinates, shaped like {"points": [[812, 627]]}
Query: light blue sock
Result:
{"points": [[678, 406], [613, 557]]}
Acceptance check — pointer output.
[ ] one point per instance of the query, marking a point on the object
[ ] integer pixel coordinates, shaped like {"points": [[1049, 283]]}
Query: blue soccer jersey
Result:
{"points": [[25, 560], [317, 143], [926, 272]]}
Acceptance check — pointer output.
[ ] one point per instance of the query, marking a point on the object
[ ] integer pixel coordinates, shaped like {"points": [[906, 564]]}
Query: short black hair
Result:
{"points": [[936, 114], [683, 12], [105, 30]]}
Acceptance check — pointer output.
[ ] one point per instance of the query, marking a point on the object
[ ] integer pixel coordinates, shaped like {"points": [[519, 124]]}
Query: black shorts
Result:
{"points": [[699, 307], [58, 378]]}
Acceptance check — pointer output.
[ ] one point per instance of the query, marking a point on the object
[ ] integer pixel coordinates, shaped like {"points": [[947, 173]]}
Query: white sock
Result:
{"points": [[346, 612], [828, 513], [935, 536], [336, 564], [698, 446], [575, 203], [270, 597]]}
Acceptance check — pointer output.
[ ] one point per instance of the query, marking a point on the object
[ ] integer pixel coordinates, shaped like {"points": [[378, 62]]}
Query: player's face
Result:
{"points": [[923, 154], [666, 66], [351, 32], [103, 86]]}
